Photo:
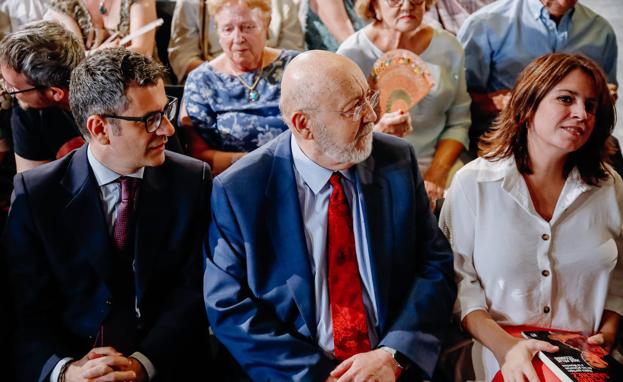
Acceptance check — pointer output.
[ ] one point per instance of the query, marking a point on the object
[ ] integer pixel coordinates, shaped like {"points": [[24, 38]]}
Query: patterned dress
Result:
{"points": [[221, 110], [317, 35], [92, 35]]}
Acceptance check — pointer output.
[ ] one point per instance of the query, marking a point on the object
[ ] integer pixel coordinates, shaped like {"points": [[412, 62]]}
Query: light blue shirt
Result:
{"points": [[501, 38], [314, 191], [110, 196]]}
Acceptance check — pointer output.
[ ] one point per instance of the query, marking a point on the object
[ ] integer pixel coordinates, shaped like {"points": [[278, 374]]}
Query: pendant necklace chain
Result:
{"points": [[253, 94]]}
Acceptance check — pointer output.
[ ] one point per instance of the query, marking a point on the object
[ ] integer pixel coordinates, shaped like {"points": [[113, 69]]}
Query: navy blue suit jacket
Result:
{"points": [[258, 285], [60, 262]]}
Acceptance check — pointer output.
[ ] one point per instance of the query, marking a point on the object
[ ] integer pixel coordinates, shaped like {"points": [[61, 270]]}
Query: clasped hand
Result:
{"points": [[104, 364]]}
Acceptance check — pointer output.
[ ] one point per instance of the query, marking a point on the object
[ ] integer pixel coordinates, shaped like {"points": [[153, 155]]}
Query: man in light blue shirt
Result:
{"points": [[501, 38]]}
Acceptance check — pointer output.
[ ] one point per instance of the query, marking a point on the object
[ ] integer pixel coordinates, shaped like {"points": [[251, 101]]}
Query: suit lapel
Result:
{"points": [[86, 217], [152, 223], [286, 232], [379, 231]]}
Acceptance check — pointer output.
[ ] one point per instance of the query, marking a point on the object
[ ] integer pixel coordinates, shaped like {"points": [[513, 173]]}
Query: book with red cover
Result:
{"points": [[576, 360]]}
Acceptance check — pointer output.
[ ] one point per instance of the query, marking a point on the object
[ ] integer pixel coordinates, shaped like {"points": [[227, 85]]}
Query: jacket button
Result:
{"points": [[545, 237], [546, 309], [545, 273], [108, 302]]}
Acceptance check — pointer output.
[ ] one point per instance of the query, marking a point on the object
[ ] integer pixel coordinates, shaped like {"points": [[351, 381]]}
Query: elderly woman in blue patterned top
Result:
{"points": [[231, 104]]}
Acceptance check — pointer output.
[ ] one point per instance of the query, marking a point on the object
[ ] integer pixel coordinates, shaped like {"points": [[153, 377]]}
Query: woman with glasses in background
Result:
{"points": [[437, 126], [231, 103]]}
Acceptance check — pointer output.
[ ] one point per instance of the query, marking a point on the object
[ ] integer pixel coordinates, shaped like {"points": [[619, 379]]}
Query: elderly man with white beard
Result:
{"points": [[324, 260]]}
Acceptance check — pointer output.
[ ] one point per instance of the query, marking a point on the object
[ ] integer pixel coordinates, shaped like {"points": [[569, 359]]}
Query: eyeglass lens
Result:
{"points": [[372, 100], [153, 122]]}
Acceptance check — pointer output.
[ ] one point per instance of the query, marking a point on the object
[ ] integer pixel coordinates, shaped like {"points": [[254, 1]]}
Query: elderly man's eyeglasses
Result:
{"points": [[153, 120], [371, 99], [11, 91], [398, 3]]}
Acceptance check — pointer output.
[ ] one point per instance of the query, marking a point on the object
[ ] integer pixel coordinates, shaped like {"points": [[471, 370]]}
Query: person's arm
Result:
{"points": [[488, 105], [474, 35], [23, 164], [436, 177], [261, 343], [184, 47], [38, 334], [219, 160], [66, 21], [608, 328], [334, 16], [454, 136], [430, 297], [291, 34], [513, 354], [142, 12]]}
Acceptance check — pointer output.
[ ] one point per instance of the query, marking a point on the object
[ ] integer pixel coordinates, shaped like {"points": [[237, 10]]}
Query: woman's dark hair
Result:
{"points": [[509, 134]]}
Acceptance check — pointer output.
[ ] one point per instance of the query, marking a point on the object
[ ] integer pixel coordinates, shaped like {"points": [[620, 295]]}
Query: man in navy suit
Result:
{"points": [[104, 245], [325, 262]]}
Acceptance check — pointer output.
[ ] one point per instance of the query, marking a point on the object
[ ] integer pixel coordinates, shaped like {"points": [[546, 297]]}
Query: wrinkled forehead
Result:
{"points": [[238, 14]]}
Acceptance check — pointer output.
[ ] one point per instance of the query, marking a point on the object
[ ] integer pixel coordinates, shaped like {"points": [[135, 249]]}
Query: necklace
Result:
{"points": [[253, 95], [102, 8]]}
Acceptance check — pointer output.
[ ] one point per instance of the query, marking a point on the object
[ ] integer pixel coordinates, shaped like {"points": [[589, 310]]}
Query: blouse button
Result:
{"points": [[545, 273], [546, 309], [545, 237]]}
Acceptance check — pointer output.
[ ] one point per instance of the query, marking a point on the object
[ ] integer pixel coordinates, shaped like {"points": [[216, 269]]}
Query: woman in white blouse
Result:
{"points": [[536, 222]]}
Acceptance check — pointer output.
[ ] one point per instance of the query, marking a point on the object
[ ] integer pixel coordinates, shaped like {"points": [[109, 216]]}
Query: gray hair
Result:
{"points": [[99, 84], [44, 52]]}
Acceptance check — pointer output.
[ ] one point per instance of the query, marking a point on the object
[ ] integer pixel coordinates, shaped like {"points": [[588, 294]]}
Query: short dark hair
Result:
{"points": [[44, 52], [99, 83], [509, 134]]}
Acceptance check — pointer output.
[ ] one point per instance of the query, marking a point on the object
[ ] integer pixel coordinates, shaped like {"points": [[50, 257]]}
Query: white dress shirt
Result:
{"points": [[110, 196], [525, 270], [314, 192]]}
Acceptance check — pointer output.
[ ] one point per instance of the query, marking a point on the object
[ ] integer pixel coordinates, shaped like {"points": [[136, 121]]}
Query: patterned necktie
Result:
{"points": [[125, 211], [350, 329]]}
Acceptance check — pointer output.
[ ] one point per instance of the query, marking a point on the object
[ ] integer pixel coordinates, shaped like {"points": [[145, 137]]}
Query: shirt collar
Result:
{"points": [[104, 175], [314, 175], [538, 10], [506, 169]]}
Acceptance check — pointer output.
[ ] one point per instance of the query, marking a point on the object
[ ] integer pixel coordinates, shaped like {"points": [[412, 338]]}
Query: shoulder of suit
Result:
{"points": [[174, 159], [49, 172]]}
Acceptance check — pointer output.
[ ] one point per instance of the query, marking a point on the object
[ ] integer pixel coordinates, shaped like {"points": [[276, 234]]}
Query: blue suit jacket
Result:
{"points": [[258, 284], [60, 261]]}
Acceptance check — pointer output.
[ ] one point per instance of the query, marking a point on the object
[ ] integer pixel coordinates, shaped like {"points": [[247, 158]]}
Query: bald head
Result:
{"points": [[312, 77]]}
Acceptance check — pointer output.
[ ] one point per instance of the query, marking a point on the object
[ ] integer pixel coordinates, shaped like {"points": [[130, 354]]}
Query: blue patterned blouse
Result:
{"points": [[223, 112]]}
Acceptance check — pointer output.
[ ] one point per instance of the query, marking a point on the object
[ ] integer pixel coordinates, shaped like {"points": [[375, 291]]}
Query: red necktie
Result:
{"points": [[121, 235], [350, 329]]}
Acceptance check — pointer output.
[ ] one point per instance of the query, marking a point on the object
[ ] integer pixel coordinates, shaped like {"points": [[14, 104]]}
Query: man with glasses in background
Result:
{"points": [[324, 259], [103, 245], [36, 63]]}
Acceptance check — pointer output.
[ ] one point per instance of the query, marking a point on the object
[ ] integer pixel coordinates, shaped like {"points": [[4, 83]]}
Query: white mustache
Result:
{"points": [[367, 129]]}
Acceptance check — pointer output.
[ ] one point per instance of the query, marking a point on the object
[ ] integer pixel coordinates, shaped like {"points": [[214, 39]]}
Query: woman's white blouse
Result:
{"points": [[524, 270]]}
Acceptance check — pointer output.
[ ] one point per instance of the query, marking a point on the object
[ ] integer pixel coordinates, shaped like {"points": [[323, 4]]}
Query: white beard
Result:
{"points": [[344, 154]]}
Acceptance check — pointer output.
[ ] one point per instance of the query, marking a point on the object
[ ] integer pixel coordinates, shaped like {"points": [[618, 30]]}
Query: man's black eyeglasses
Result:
{"points": [[153, 120], [11, 91]]}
